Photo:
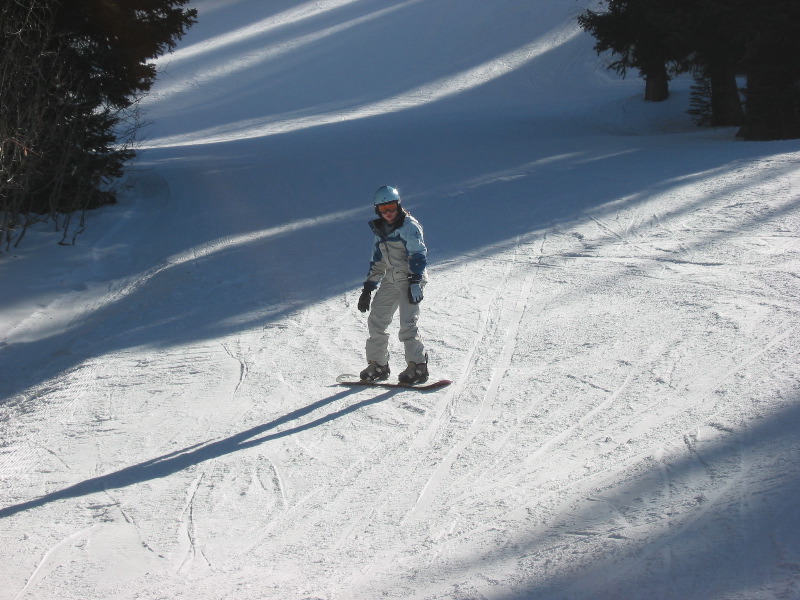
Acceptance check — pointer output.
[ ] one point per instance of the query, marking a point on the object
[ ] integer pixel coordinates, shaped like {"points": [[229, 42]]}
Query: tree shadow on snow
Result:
{"points": [[281, 245], [739, 538], [263, 228], [476, 181]]}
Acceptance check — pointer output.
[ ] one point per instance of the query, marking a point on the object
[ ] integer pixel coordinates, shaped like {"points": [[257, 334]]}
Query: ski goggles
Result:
{"points": [[387, 208]]}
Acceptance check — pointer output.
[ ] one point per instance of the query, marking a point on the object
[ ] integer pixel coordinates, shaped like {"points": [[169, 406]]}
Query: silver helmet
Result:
{"points": [[386, 194]]}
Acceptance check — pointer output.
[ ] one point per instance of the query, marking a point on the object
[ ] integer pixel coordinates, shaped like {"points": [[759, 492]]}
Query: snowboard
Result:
{"points": [[354, 381]]}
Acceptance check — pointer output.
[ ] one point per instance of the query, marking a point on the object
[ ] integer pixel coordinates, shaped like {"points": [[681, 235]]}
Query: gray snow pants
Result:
{"points": [[389, 297]]}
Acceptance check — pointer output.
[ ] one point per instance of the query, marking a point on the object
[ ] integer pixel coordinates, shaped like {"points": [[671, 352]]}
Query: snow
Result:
{"points": [[613, 291]]}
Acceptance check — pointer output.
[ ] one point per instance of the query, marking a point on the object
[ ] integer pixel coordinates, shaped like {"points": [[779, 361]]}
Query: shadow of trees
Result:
{"points": [[535, 170], [477, 180], [719, 519]]}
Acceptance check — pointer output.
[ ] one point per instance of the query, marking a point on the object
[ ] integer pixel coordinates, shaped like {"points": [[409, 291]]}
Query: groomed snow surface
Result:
{"points": [[615, 293]]}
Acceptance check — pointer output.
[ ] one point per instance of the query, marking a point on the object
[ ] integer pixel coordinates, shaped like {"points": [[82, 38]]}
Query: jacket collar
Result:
{"points": [[381, 227]]}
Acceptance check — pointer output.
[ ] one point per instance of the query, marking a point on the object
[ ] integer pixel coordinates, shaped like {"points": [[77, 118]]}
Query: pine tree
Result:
{"points": [[635, 32], [772, 65], [71, 72], [717, 40], [700, 100], [713, 46]]}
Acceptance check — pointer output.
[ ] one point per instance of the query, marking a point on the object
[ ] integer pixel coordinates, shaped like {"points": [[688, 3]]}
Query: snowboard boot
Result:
{"points": [[414, 373], [375, 372]]}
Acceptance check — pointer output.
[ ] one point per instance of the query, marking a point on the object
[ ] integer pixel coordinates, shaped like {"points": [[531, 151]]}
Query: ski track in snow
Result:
{"points": [[614, 293]]}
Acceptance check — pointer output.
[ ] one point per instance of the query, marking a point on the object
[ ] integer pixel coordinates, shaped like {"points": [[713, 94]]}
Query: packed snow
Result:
{"points": [[614, 292]]}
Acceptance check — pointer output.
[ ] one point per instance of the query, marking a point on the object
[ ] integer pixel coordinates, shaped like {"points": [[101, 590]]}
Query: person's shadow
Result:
{"points": [[179, 460]]}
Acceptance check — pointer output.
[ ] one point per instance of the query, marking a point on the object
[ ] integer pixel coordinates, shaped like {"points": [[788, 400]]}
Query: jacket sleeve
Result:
{"points": [[412, 236], [376, 270]]}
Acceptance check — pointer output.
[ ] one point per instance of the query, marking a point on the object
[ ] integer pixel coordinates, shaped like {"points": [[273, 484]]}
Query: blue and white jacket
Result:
{"points": [[398, 250]]}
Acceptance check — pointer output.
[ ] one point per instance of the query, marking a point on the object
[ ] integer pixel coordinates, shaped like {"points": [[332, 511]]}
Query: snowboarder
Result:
{"points": [[397, 271]]}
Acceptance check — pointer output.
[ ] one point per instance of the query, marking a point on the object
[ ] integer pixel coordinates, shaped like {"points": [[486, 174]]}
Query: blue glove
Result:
{"points": [[415, 289]]}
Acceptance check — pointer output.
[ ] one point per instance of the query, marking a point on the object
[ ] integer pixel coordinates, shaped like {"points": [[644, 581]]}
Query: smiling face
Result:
{"points": [[389, 211]]}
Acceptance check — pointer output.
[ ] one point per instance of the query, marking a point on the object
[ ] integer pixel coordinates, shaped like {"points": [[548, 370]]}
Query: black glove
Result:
{"points": [[415, 289], [366, 296]]}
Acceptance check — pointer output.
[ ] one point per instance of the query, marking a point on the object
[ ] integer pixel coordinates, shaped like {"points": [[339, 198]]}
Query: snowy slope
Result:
{"points": [[614, 292]]}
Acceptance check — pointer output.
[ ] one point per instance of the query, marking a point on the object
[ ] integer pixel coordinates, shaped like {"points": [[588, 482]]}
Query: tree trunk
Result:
{"points": [[656, 83], [772, 106], [726, 106]]}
